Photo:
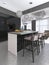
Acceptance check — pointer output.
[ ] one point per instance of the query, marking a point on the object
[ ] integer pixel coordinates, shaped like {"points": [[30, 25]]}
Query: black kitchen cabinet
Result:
{"points": [[4, 27]]}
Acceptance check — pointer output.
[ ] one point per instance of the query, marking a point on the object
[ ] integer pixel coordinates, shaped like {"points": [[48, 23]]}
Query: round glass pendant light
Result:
{"points": [[19, 14]]}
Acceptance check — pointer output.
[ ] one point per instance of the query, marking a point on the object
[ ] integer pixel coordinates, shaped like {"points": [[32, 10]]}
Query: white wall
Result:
{"points": [[48, 23]]}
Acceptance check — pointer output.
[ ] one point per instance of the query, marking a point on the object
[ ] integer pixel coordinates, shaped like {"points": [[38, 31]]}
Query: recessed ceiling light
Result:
{"points": [[4, 2], [30, 3]]}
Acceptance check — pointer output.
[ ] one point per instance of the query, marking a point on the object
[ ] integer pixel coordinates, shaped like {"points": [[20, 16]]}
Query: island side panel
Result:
{"points": [[12, 43]]}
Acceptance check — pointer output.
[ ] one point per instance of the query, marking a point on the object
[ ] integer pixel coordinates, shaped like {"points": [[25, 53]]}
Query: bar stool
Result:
{"points": [[34, 44], [41, 40], [42, 37]]}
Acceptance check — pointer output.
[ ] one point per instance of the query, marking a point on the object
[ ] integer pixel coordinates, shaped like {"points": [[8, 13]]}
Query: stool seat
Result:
{"points": [[32, 38]]}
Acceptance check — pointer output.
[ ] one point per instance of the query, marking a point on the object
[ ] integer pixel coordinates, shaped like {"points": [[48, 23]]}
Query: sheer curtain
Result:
{"points": [[42, 25]]}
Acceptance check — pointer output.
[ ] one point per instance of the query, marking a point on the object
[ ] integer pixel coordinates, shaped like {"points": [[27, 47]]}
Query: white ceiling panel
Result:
{"points": [[15, 5]]}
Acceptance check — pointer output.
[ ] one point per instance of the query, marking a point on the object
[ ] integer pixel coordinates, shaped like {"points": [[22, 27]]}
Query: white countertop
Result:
{"points": [[23, 32]]}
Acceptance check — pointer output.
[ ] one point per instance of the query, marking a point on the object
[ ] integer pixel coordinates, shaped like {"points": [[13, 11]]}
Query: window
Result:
{"points": [[42, 25]]}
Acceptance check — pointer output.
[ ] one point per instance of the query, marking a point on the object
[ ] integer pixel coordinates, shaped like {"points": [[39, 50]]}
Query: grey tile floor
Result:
{"points": [[6, 58]]}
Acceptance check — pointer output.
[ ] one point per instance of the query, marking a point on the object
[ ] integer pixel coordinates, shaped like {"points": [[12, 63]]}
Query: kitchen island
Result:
{"points": [[15, 40]]}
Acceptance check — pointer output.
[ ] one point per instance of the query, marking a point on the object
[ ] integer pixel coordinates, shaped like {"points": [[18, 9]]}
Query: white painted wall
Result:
{"points": [[48, 23]]}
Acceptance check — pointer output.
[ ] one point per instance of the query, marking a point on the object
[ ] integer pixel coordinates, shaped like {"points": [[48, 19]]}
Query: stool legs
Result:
{"points": [[32, 48], [23, 47], [42, 43], [32, 52], [38, 48]]}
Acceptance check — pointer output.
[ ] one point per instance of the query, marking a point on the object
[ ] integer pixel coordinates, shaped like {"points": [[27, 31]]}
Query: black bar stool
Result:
{"points": [[34, 44]]}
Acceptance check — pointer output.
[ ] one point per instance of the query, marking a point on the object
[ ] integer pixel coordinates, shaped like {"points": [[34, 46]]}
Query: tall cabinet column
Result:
{"points": [[34, 25]]}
